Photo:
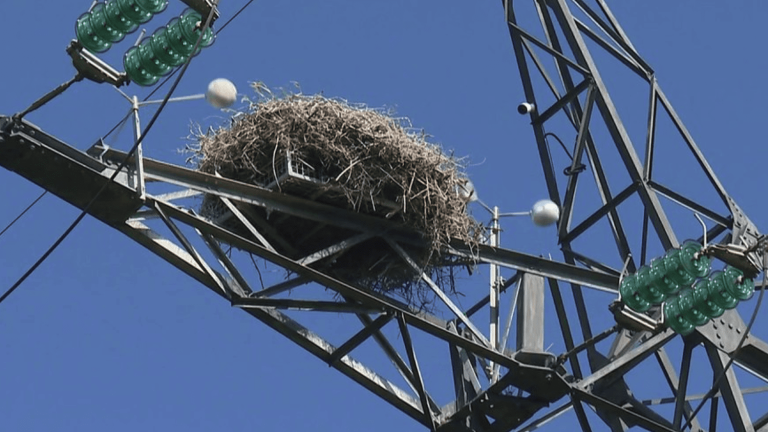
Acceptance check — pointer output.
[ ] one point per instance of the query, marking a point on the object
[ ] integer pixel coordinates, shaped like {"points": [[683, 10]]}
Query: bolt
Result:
{"points": [[722, 321], [722, 345], [548, 377], [714, 325], [730, 326], [718, 335], [738, 330]]}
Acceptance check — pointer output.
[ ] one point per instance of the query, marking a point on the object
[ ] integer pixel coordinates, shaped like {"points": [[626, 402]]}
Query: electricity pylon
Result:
{"points": [[500, 382]]}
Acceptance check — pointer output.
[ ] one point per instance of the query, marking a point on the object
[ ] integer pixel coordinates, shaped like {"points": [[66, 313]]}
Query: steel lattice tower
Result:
{"points": [[497, 386]]}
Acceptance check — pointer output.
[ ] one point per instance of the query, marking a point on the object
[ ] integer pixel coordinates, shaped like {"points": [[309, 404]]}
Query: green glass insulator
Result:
{"points": [[645, 281], [737, 285], [133, 11], [164, 51], [136, 69], [87, 36], [674, 318], [663, 283], [102, 26], [630, 296], [696, 266], [117, 19], [719, 292], [687, 302], [151, 62], [675, 270], [704, 301], [153, 6]]}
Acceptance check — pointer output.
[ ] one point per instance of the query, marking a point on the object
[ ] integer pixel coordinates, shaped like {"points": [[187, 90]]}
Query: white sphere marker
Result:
{"points": [[545, 213], [221, 93]]}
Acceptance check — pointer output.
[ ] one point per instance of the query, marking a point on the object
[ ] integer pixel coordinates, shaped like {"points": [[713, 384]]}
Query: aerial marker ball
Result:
{"points": [[221, 93], [545, 213]]}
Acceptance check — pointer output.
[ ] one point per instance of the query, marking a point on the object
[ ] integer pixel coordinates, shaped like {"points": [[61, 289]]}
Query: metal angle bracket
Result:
{"points": [[203, 7], [92, 67]]}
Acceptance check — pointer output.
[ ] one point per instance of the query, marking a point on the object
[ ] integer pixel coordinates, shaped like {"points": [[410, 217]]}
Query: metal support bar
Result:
{"points": [[359, 338], [246, 223], [729, 388], [305, 305], [627, 415], [530, 317], [331, 250], [621, 365], [436, 289], [416, 372]]}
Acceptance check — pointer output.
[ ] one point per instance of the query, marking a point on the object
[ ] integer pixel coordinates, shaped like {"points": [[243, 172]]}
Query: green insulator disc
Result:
{"points": [[645, 284], [674, 319], [133, 12], [87, 36], [697, 267], [174, 34], [153, 6], [103, 26], [719, 293], [151, 62], [163, 49], [117, 19], [687, 303], [190, 23], [741, 290], [630, 296], [674, 264], [703, 301], [136, 70]]}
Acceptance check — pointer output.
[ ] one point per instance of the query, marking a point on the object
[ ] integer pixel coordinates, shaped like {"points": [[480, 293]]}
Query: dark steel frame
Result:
{"points": [[496, 388]]}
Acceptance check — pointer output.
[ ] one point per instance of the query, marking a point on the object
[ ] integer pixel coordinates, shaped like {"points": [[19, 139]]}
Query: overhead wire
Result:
{"points": [[29, 207], [122, 165]]}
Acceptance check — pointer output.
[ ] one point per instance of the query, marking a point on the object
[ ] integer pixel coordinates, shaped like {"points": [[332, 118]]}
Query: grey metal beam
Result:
{"points": [[621, 365], [690, 204], [627, 415], [530, 316], [729, 389], [484, 301], [304, 305], [559, 104], [406, 334], [333, 249], [246, 223], [279, 322], [281, 287], [618, 55], [254, 195], [359, 338], [615, 127], [530, 96], [536, 265]]}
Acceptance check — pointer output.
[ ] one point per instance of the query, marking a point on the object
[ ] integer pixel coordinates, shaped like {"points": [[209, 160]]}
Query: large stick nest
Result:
{"points": [[352, 157]]}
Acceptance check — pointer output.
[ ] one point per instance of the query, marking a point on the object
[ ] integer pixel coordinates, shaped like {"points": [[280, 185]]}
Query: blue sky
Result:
{"points": [[107, 337]]}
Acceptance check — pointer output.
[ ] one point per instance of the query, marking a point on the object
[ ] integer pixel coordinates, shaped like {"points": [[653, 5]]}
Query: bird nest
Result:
{"points": [[352, 157]]}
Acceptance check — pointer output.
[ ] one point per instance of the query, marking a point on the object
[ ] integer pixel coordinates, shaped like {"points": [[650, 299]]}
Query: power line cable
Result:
{"points": [[22, 213], [119, 168]]}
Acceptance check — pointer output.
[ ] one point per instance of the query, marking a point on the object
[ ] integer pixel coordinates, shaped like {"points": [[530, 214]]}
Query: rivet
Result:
{"points": [[722, 345], [738, 330], [714, 325], [722, 321], [730, 325]]}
